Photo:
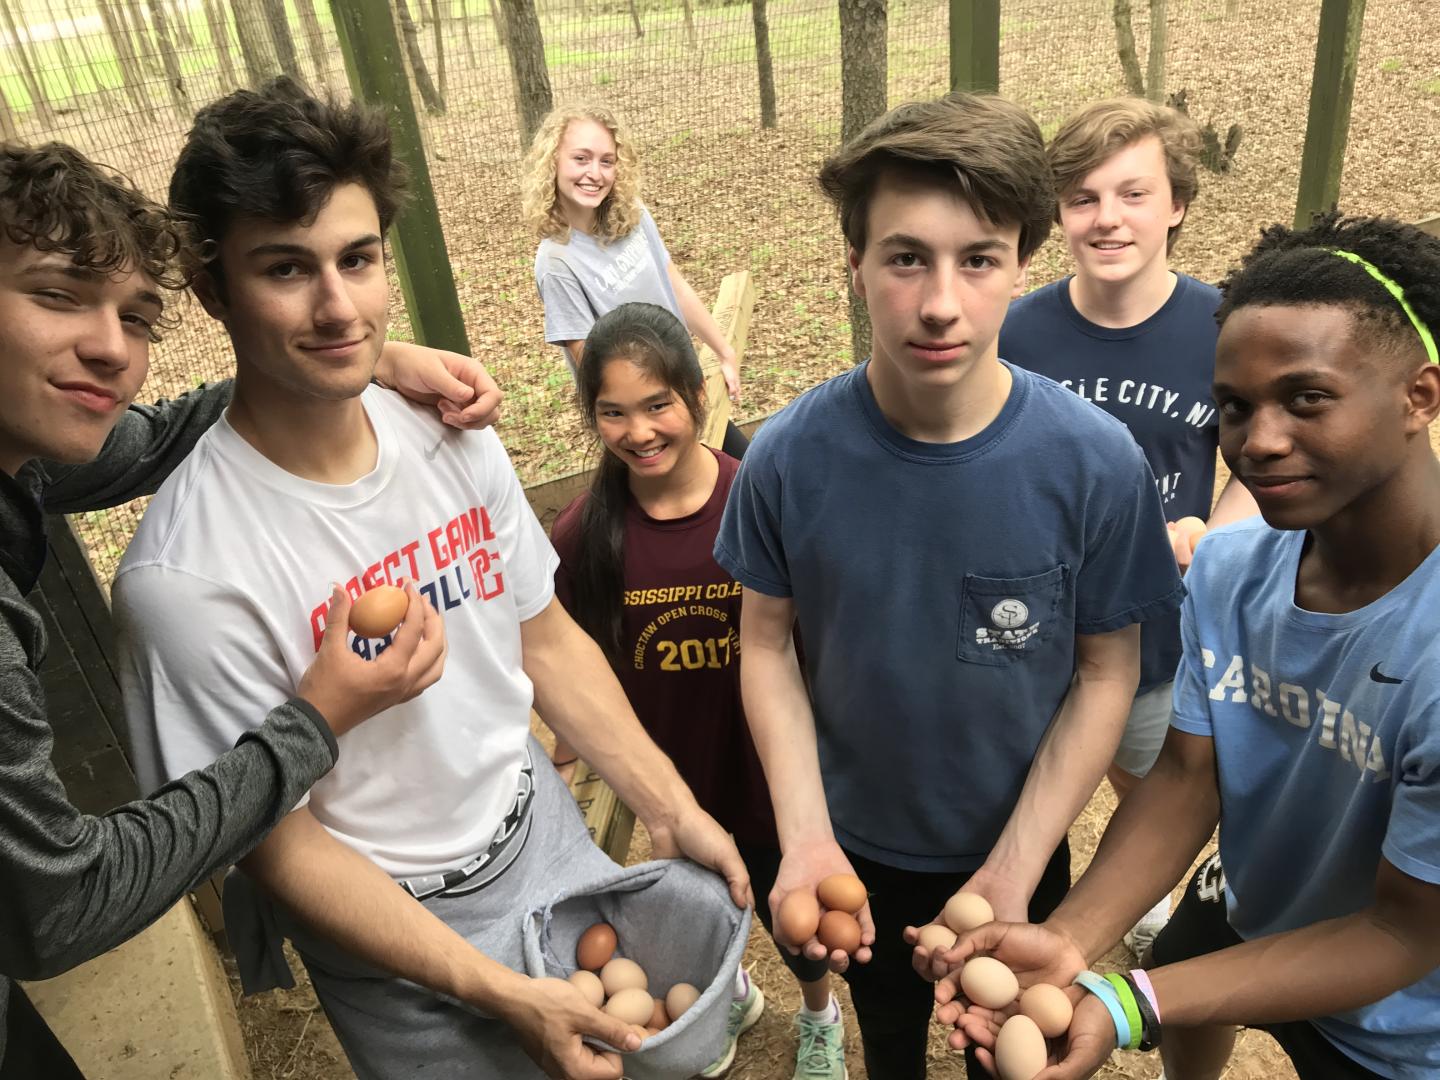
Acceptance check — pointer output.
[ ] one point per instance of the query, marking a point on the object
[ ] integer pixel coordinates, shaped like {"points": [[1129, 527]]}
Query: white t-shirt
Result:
{"points": [[220, 603]]}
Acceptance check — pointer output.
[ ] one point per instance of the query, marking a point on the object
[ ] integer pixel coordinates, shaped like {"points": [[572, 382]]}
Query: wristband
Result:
{"points": [[1149, 1022], [1106, 993], [1141, 978], [1132, 1011], [567, 761]]}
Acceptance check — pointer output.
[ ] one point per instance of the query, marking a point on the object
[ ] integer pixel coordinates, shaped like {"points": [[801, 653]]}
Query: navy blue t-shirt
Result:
{"points": [[1153, 377], [939, 589]]}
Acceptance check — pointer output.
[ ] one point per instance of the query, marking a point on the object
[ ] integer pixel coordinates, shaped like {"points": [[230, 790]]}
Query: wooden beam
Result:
{"points": [[975, 45], [610, 821], [1430, 225], [1337, 51]]}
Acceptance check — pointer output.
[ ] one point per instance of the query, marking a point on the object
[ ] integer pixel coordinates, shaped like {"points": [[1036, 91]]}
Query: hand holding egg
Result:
{"points": [[821, 908]]}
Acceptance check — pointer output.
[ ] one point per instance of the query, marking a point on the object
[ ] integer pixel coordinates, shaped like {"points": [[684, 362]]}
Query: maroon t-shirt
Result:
{"points": [[681, 668]]}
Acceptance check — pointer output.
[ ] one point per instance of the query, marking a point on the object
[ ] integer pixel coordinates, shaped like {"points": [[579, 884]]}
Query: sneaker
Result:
{"points": [[821, 1055], [1143, 934], [744, 1012]]}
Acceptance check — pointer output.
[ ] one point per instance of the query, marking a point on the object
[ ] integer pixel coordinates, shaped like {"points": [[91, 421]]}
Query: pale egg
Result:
{"points": [[632, 1005], [623, 974], [988, 983], [966, 910], [680, 998], [1049, 1007], [589, 984], [935, 936], [1019, 1049]]}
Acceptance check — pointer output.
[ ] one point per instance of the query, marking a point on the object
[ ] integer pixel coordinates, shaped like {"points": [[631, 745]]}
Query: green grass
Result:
{"points": [[1431, 86], [1391, 65]]}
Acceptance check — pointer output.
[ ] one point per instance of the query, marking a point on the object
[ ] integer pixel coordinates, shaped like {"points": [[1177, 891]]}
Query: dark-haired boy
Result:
{"points": [[403, 878], [968, 550], [1305, 704], [86, 264]]}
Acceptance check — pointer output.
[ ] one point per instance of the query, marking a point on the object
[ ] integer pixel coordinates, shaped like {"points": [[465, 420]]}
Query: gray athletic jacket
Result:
{"points": [[73, 886]]}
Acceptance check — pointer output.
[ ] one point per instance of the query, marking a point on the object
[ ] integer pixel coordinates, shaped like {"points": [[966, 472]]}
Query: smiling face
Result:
{"points": [[937, 280], [643, 422], [305, 305], [585, 164], [1312, 420], [76, 348], [1118, 218]]}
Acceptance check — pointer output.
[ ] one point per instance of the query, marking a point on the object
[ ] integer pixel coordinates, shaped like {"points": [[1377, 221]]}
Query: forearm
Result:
{"points": [[1150, 843], [77, 885], [697, 316], [348, 900], [1234, 504]]}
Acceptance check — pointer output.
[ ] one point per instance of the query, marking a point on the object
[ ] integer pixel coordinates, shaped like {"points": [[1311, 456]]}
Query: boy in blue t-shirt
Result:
{"points": [[968, 550], [1305, 704]]}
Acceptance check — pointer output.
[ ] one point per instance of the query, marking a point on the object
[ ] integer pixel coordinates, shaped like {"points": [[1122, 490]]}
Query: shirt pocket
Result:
{"points": [[1007, 620]]}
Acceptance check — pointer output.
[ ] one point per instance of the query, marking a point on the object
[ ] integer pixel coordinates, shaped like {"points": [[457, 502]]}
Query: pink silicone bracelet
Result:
{"points": [[1142, 980]]}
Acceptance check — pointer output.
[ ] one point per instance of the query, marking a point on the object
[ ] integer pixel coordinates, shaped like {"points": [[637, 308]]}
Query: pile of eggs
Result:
{"points": [[620, 987], [1045, 1013], [827, 914]]}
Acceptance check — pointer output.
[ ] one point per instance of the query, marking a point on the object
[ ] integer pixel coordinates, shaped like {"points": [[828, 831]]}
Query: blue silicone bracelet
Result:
{"points": [[1097, 985]]}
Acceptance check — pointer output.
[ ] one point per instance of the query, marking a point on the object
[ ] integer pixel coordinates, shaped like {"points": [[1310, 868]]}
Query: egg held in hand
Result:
{"points": [[1019, 1049], [988, 983], [839, 930], [966, 910], [798, 917], [842, 892], [378, 611], [1049, 1007]]}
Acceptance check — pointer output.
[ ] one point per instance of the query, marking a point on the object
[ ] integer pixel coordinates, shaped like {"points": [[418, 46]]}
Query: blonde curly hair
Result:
{"points": [[617, 216]]}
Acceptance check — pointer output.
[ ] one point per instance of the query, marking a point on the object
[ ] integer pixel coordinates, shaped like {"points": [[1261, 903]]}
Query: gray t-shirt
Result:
{"points": [[583, 279]]}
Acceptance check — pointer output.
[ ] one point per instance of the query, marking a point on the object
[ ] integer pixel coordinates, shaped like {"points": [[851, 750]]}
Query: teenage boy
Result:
{"points": [[1138, 339], [313, 476], [968, 549], [1304, 704]]}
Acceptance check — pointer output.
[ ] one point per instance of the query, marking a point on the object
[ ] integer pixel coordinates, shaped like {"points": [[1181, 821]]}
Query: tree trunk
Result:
{"points": [[314, 41], [768, 116], [502, 35], [8, 130], [216, 20], [1155, 62], [131, 76], [527, 66], [1125, 45], [863, 73], [38, 101], [257, 46], [180, 18], [439, 28], [279, 24], [69, 70], [434, 103], [174, 84], [107, 99], [144, 48], [464, 17], [635, 18], [689, 23]]}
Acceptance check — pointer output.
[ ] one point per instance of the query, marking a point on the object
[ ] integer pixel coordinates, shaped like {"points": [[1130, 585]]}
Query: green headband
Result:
{"points": [[1426, 338]]}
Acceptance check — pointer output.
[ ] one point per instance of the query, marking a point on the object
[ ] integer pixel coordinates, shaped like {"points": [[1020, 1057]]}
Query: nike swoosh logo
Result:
{"points": [[1378, 677]]}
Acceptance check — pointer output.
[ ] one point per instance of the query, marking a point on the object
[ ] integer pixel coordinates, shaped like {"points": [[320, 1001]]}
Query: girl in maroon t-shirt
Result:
{"points": [[637, 571]]}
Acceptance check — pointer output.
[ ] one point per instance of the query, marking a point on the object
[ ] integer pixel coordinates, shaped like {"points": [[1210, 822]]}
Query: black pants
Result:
{"points": [[892, 1002], [1200, 927], [735, 441], [32, 1052]]}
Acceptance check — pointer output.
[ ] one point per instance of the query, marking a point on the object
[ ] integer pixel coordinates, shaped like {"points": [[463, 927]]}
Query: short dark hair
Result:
{"points": [[1291, 267], [54, 198], [277, 153], [988, 150]]}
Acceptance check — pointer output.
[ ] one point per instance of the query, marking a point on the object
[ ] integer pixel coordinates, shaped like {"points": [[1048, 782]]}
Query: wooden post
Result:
{"points": [[377, 75], [1331, 89], [1430, 225], [610, 821], [975, 45]]}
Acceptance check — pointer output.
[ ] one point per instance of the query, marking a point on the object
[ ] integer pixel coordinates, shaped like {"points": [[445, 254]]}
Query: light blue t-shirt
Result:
{"points": [[939, 589], [1328, 751]]}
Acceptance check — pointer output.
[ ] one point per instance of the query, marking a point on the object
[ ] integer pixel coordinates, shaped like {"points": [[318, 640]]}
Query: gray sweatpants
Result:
{"points": [[390, 1027]]}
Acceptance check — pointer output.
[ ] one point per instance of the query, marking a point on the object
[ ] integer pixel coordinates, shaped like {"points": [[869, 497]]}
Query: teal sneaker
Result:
{"points": [[744, 1012], [822, 1054]]}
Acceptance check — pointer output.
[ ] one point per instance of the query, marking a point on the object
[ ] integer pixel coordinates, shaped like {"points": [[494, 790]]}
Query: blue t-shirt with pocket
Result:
{"points": [[1328, 756], [939, 589], [1154, 377]]}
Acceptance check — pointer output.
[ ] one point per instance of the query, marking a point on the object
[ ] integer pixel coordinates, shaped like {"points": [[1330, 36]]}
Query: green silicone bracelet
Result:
{"points": [[1127, 1002]]}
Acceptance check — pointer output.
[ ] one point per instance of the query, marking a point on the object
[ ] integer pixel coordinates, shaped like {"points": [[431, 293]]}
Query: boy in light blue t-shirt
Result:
{"points": [[1305, 711]]}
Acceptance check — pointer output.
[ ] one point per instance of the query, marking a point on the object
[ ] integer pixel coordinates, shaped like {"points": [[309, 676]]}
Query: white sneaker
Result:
{"points": [[1142, 935], [744, 1013]]}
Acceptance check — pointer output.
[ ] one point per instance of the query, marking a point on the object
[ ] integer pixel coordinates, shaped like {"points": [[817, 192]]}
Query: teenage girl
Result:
{"points": [[638, 573], [599, 246]]}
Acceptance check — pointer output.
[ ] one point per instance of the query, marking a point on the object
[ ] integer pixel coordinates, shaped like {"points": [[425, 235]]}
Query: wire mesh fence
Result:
{"points": [[121, 79]]}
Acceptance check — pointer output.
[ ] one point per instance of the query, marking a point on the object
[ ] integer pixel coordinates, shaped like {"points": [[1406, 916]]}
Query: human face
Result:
{"points": [[937, 280], [1118, 219], [305, 305], [1310, 420], [643, 422], [76, 349], [585, 164]]}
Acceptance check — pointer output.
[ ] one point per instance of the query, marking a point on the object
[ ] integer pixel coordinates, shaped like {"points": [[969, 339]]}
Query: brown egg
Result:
{"points": [[936, 936], [1019, 1049], [622, 974], [839, 930], [1049, 1007], [632, 1005], [842, 892], [988, 983], [798, 917], [680, 998], [379, 611], [589, 984], [595, 947], [659, 1020], [966, 910]]}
